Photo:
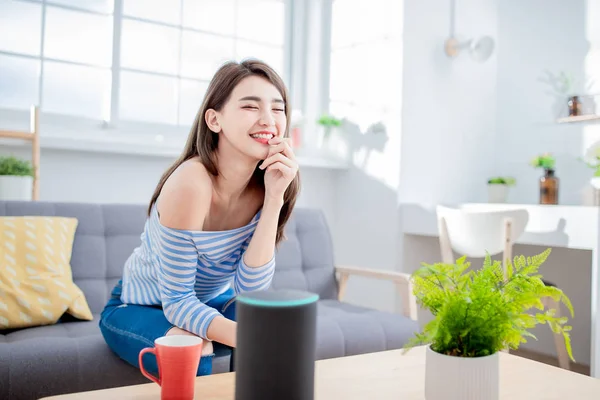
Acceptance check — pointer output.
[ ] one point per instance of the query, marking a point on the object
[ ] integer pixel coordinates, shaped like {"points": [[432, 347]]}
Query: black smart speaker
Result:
{"points": [[276, 345]]}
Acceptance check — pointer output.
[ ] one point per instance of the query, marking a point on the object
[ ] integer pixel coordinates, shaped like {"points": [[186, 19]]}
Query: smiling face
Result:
{"points": [[254, 114]]}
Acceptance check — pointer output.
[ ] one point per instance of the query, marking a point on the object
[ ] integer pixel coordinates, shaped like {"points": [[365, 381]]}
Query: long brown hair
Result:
{"points": [[202, 142]]}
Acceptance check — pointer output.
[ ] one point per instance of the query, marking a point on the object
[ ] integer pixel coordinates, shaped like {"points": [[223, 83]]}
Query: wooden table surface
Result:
{"points": [[385, 375]]}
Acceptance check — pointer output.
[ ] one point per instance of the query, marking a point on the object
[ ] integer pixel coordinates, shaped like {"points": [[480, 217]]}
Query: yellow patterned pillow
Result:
{"points": [[36, 283]]}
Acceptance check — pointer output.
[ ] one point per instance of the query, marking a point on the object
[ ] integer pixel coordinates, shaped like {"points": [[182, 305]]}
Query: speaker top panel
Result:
{"points": [[278, 298]]}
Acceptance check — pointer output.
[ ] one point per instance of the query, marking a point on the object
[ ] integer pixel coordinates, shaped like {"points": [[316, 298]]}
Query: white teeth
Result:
{"points": [[262, 136]]}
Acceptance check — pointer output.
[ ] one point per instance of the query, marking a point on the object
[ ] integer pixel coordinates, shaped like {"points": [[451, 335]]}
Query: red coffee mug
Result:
{"points": [[178, 357]]}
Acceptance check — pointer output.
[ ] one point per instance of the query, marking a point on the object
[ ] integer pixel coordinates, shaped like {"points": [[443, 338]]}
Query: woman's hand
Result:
{"points": [[280, 168]]}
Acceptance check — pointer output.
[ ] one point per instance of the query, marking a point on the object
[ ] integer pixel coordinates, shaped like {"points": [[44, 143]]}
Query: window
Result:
{"points": [[48, 64], [364, 59], [136, 61]]}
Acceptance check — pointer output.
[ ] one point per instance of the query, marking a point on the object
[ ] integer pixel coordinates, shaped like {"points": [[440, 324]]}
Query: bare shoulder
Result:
{"points": [[185, 198]]}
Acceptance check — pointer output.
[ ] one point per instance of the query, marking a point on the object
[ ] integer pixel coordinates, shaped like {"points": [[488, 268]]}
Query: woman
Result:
{"points": [[214, 220]]}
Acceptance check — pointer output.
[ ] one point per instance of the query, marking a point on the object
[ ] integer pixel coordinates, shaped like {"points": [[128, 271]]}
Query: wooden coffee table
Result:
{"points": [[386, 375]]}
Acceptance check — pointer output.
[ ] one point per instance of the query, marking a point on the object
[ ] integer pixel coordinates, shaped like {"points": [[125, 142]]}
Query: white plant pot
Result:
{"points": [[16, 187], [497, 193], [461, 378]]}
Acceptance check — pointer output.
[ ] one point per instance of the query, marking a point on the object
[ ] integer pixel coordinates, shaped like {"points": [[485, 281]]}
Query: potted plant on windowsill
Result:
{"points": [[16, 179], [328, 122], [498, 188], [477, 314]]}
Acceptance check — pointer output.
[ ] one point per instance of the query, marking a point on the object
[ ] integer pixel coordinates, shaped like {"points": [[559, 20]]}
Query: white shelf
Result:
{"points": [[152, 147], [578, 118]]}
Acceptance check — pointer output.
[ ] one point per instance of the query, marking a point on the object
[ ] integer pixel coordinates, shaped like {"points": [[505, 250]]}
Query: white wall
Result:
{"points": [[535, 36], [76, 176], [449, 112]]}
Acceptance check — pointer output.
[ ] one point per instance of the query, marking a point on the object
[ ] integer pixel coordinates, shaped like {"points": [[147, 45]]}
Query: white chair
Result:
{"points": [[472, 231]]}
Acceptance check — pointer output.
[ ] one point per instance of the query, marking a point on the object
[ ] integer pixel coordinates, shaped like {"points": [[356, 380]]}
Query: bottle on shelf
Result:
{"points": [[549, 186]]}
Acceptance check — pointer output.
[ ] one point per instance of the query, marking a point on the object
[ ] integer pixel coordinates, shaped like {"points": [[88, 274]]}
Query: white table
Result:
{"points": [[571, 227]]}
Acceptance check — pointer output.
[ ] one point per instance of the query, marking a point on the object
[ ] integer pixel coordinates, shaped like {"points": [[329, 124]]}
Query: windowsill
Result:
{"points": [[80, 135], [149, 146]]}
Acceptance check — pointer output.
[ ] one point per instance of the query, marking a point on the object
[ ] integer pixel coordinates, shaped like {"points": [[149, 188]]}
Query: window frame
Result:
{"points": [[73, 126]]}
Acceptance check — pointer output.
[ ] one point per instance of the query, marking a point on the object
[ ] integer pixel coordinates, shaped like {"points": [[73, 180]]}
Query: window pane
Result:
{"points": [[191, 96], [261, 20], [344, 17], [149, 98], [76, 90], [19, 80], [210, 15], [346, 64], [269, 54], [149, 47], [203, 54], [78, 36], [382, 78], [103, 6], [363, 21], [20, 27], [155, 10]]}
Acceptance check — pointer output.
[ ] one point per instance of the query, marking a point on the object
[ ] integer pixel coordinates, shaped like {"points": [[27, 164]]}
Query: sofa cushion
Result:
{"points": [[344, 329], [305, 258], [36, 283], [63, 329]]}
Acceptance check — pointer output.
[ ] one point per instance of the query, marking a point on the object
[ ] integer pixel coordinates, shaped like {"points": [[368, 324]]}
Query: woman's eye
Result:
{"points": [[278, 109], [250, 107]]}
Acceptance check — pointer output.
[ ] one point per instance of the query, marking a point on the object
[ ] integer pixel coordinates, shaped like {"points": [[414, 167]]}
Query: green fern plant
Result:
{"points": [[480, 312]]}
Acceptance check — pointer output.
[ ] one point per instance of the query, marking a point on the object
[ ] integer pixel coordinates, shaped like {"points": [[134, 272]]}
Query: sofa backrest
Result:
{"points": [[107, 234]]}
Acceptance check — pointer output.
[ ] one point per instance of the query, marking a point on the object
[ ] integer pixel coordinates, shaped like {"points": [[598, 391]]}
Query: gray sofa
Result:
{"points": [[72, 356]]}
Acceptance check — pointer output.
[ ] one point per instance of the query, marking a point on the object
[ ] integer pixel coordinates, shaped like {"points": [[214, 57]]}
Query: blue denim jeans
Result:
{"points": [[128, 328]]}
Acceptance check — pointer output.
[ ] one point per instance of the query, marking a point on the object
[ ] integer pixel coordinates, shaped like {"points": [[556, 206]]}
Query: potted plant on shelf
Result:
{"points": [[498, 188], [549, 183], [564, 85], [16, 179], [477, 314]]}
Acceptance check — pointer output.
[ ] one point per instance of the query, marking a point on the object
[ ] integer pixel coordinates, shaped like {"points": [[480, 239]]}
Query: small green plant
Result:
{"points": [[502, 180], [11, 165], [480, 312], [545, 161], [328, 122]]}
